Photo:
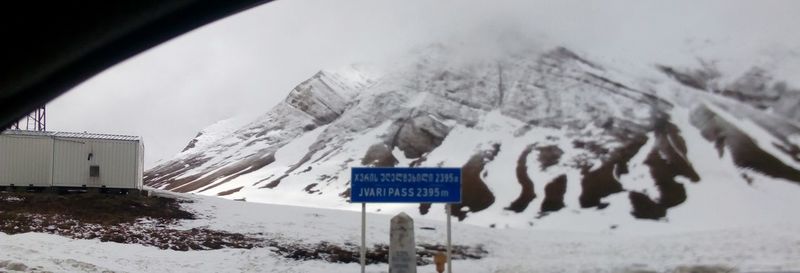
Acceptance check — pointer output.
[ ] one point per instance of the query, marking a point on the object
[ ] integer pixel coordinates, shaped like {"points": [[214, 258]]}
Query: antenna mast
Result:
{"points": [[35, 121]]}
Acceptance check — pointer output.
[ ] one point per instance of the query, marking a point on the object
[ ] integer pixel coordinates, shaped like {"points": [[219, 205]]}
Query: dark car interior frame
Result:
{"points": [[49, 47]]}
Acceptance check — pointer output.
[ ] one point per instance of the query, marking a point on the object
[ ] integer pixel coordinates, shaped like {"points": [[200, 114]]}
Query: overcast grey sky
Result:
{"points": [[248, 62]]}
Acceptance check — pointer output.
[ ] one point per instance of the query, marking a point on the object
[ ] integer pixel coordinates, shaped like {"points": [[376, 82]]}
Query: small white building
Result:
{"points": [[59, 159]]}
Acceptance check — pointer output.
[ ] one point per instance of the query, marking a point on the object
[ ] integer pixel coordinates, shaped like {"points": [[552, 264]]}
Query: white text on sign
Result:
{"points": [[406, 177]]}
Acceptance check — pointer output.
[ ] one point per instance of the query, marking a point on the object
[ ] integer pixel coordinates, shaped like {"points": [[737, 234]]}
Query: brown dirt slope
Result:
{"points": [[601, 182], [744, 151], [476, 196], [554, 194], [122, 219], [666, 160], [527, 194]]}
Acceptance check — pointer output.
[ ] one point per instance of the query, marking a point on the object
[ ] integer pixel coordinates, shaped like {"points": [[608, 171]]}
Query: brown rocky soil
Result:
{"points": [[666, 160], [165, 175], [147, 220], [601, 182], [127, 219], [476, 196], [744, 151], [274, 183], [527, 194], [228, 173], [549, 155], [554, 194], [418, 135], [424, 208], [379, 155], [349, 253], [229, 192]]}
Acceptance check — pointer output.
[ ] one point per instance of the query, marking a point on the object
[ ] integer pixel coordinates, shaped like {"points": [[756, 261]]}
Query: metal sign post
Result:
{"points": [[449, 246], [405, 185], [363, 237]]}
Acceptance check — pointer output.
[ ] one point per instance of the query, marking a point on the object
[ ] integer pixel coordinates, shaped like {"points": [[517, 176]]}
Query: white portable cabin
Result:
{"points": [[59, 159]]}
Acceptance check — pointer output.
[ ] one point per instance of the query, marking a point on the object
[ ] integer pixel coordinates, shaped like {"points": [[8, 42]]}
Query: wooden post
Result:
{"points": [[440, 259]]}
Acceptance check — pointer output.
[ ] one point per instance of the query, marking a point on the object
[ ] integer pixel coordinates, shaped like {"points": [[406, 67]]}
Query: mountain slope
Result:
{"points": [[545, 139]]}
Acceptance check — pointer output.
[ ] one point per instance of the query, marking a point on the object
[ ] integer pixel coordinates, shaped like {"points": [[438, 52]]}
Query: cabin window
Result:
{"points": [[94, 171]]}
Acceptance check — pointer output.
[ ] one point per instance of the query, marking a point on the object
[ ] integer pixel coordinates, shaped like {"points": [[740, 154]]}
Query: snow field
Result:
{"points": [[757, 247]]}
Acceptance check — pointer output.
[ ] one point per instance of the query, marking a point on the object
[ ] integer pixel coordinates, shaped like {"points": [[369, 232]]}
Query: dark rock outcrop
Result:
{"points": [[549, 155], [644, 207], [476, 196], [379, 155], [554, 194], [418, 135], [744, 151], [602, 181], [527, 193], [666, 161]]}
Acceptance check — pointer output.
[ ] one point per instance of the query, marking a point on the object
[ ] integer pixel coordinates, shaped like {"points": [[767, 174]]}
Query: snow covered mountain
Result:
{"points": [[546, 138]]}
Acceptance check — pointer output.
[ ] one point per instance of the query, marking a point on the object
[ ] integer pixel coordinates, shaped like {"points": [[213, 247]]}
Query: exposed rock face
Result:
{"points": [[192, 143], [644, 207], [317, 101], [415, 136], [554, 194], [527, 195], [317, 98], [702, 78], [379, 155], [549, 155], [535, 133], [419, 135], [602, 181], [666, 161], [744, 150], [476, 196], [756, 87]]}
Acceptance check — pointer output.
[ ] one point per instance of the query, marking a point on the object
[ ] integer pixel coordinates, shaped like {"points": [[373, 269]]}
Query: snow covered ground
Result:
{"points": [[755, 247]]}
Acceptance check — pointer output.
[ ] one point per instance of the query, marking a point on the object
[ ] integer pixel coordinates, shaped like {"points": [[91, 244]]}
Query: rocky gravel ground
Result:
{"points": [[123, 219], [154, 221]]}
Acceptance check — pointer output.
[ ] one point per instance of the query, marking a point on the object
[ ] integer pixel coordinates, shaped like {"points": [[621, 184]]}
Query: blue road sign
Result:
{"points": [[405, 185]]}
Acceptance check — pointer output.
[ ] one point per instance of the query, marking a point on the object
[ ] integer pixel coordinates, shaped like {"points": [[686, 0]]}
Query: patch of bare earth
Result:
{"points": [[549, 155], [527, 194], [379, 155], [667, 160], [164, 175], [123, 219], [602, 182], [554, 194], [476, 196], [349, 253], [148, 220], [689, 269], [229, 192], [226, 174], [744, 150]]}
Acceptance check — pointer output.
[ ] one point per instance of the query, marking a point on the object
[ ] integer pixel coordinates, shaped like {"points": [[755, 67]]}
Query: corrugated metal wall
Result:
{"points": [[25, 160], [65, 162], [140, 165], [70, 165], [115, 159]]}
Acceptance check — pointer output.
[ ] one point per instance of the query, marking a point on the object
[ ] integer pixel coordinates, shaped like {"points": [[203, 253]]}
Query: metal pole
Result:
{"points": [[449, 246], [363, 237]]}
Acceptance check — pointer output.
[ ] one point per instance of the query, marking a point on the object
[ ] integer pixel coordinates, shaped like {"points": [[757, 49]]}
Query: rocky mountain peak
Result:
{"points": [[539, 135]]}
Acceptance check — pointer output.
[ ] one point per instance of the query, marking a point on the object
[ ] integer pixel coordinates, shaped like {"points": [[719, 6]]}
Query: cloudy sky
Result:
{"points": [[245, 64]]}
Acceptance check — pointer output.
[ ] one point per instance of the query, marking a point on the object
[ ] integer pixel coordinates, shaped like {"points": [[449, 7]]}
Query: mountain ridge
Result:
{"points": [[595, 134]]}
